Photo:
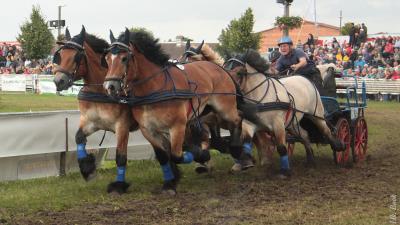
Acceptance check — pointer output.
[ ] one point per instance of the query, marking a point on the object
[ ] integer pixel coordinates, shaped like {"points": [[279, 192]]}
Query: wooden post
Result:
{"points": [[63, 155]]}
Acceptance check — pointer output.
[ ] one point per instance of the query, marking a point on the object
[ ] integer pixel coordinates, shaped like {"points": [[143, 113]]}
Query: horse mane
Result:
{"points": [[211, 55], [255, 60], [148, 46], [97, 44]]}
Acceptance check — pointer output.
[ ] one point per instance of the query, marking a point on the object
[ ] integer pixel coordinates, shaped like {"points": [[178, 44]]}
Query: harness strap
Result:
{"points": [[96, 97]]}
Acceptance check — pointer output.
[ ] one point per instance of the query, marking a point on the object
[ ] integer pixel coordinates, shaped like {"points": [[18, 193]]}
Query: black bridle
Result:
{"points": [[77, 60], [115, 48]]}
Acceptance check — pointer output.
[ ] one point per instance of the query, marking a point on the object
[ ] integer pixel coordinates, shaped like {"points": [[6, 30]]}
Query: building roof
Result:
{"points": [[309, 22], [176, 50]]}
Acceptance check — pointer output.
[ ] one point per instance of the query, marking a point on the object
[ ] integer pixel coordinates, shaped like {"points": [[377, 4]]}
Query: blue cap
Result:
{"points": [[285, 40]]}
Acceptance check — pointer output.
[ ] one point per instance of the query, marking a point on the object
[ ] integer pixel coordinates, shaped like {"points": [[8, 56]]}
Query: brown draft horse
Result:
{"points": [[80, 58], [206, 53], [165, 98]]}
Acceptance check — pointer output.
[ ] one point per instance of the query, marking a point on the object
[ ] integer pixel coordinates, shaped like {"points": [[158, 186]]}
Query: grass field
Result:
{"points": [[17, 102], [327, 194]]}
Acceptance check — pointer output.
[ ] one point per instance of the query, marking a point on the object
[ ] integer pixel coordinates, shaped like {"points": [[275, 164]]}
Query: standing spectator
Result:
{"points": [[362, 36], [352, 34], [335, 43], [310, 40], [364, 28]]}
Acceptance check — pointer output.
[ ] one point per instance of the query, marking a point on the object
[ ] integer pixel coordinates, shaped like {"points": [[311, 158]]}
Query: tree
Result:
{"points": [[137, 29], [35, 38], [239, 36], [346, 29]]}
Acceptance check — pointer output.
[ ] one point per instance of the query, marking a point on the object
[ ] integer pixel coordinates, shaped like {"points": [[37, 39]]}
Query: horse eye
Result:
{"points": [[124, 59]]}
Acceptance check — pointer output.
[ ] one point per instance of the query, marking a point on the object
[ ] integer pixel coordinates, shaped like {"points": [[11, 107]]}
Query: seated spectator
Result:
{"points": [[348, 73], [357, 72], [388, 73], [359, 63], [396, 74], [364, 72], [373, 74], [397, 43], [396, 54], [388, 49]]}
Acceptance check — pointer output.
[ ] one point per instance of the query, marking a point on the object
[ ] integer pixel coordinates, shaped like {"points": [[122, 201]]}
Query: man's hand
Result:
{"points": [[295, 67]]}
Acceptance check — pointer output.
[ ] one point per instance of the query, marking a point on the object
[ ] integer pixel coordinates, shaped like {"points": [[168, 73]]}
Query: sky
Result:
{"points": [[198, 20]]}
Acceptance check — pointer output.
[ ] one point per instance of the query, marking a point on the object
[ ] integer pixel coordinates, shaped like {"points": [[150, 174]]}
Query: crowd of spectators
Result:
{"points": [[13, 61], [374, 58]]}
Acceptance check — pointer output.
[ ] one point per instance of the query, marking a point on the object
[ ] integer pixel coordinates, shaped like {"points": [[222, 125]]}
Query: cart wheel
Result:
{"points": [[343, 134], [359, 140], [290, 148]]}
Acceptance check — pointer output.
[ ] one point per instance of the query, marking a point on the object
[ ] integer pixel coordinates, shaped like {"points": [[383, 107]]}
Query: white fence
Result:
{"points": [[44, 84], [32, 83], [373, 86], [32, 144]]}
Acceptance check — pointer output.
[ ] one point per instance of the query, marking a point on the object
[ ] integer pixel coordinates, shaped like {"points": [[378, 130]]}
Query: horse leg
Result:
{"points": [[119, 185], [265, 147], [296, 130], [87, 162], [335, 143], [280, 138], [171, 173], [245, 160]]}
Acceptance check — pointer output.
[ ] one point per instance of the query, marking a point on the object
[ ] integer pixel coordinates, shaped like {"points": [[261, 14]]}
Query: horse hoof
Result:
{"points": [[169, 187], [310, 164], [201, 168], [169, 192], [119, 187], [90, 176], [284, 174], [237, 167], [87, 167]]}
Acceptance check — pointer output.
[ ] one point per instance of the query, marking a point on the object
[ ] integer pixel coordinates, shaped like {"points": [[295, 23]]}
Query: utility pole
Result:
{"points": [[59, 21], [286, 13], [315, 18], [286, 3], [340, 23]]}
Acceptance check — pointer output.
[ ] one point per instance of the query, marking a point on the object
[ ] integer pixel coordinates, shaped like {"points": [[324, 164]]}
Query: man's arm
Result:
{"points": [[301, 64]]}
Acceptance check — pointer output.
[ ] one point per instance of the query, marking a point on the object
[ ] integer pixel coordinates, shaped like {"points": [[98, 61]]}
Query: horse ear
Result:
{"points": [[67, 34], [198, 49], [83, 32], [112, 38], [187, 45], [127, 36]]}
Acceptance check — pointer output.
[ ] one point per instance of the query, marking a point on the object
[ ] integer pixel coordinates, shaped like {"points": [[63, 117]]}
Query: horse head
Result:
{"points": [[192, 54], [69, 57], [118, 58]]}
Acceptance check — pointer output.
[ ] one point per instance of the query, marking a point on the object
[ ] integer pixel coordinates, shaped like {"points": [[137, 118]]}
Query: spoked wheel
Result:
{"points": [[359, 140], [343, 134]]}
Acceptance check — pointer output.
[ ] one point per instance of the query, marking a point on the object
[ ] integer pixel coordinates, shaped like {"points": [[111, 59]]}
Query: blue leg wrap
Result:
{"points": [[121, 173], [248, 147], [187, 157], [167, 172], [285, 162], [81, 151]]}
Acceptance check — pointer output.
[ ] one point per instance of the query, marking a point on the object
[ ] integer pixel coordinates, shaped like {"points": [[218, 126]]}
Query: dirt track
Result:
{"points": [[327, 194]]}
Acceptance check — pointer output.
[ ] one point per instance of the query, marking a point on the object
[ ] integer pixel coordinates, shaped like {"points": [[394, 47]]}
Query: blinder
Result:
{"points": [[69, 45]]}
